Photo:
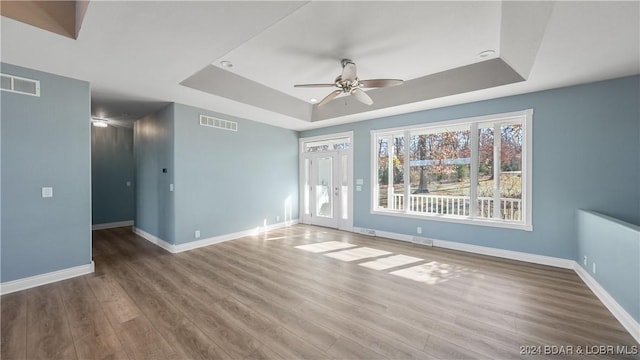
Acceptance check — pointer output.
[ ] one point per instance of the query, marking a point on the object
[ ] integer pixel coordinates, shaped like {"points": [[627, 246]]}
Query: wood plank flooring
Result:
{"points": [[272, 296]]}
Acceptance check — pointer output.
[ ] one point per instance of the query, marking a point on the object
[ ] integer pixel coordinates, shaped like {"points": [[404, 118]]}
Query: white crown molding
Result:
{"points": [[112, 225], [46, 278]]}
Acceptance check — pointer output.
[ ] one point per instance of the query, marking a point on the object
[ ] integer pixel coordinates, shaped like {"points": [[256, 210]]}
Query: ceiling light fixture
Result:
{"points": [[313, 100], [486, 53], [226, 64], [99, 122]]}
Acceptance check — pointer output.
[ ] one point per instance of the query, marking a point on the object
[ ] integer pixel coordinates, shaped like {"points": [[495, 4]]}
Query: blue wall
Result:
{"points": [[45, 143], [225, 181], [112, 166], [586, 150], [231, 181], [614, 246], [153, 152]]}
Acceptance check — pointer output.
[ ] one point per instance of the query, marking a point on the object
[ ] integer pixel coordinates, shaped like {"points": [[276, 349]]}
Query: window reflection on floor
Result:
{"points": [[431, 273], [390, 262], [357, 254], [325, 246]]}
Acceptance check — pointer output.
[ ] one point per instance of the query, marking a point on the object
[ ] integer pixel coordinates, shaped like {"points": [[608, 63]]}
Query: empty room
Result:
{"points": [[320, 180]]}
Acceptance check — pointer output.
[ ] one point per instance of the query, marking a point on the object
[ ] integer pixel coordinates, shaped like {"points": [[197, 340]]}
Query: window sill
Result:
{"points": [[456, 219]]}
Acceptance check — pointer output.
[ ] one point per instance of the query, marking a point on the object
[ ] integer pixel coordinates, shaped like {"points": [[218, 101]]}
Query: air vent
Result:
{"points": [[218, 123], [19, 85]]}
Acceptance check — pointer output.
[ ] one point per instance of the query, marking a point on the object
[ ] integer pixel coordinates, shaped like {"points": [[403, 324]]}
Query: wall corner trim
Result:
{"points": [[174, 249], [46, 278], [112, 225], [627, 321]]}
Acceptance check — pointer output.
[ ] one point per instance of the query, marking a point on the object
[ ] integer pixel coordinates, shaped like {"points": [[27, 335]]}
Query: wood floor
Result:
{"points": [[296, 294]]}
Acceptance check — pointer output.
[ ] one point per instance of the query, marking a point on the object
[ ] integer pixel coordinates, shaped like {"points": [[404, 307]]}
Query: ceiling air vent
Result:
{"points": [[218, 123], [19, 85]]}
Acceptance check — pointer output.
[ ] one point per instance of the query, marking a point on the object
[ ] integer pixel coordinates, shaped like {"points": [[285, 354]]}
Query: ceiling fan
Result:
{"points": [[348, 83]]}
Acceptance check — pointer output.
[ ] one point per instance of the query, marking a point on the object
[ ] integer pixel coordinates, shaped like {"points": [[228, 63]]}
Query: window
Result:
{"points": [[474, 170]]}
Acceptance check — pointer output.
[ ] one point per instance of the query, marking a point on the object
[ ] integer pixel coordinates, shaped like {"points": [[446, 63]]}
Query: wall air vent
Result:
{"points": [[19, 85], [218, 123]]}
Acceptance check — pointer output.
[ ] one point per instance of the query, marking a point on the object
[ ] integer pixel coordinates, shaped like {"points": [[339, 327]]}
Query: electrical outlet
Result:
{"points": [[594, 268], [197, 234], [128, 183], [419, 229], [584, 261]]}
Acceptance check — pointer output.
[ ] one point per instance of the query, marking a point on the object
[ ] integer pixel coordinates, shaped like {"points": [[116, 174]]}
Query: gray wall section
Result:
{"points": [[153, 151], [614, 247], [586, 151], [112, 165], [45, 143], [231, 181]]}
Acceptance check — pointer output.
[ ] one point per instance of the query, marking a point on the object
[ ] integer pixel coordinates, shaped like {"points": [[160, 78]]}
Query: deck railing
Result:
{"points": [[510, 208]]}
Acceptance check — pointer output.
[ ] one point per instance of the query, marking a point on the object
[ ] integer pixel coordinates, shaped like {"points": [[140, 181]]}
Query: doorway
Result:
{"points": [[326, 178]]}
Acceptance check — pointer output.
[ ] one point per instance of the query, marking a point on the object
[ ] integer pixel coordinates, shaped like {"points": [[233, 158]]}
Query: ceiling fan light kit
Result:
{"points": [[348, 83]]}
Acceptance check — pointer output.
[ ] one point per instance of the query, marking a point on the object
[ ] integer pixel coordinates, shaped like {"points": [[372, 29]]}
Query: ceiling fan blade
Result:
{"points": [[362, 96], [314, 85], [374, 83], [329, 97], [349, 71]]}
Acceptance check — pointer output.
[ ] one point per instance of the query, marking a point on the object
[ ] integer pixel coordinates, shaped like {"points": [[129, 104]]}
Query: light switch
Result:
{"points": [[358, 188], [359, 182], [47, 192], [128, 183], [170, 187]]}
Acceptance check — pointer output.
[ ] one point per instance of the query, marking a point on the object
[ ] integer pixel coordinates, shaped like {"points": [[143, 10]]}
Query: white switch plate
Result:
{"points": [[359, 181], [419, 229], [170, 187], [594, 268], [128, 183], [358, 188], [47, 192], [197, 234], [584, 261]]}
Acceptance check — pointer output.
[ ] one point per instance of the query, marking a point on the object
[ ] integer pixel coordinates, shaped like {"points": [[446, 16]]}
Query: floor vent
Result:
{"points": [[218, 123], [369, 232], [422, 240], [19, 85]]}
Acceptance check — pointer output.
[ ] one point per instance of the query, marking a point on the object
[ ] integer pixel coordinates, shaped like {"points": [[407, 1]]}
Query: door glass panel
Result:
{"points": [[344, 187], [324, 203], [306, 200]]}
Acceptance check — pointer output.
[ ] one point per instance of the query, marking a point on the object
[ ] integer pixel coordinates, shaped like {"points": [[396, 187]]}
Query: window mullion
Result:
{"points": [[407, 170], [497, 139], [473, 190], [390, 153]]}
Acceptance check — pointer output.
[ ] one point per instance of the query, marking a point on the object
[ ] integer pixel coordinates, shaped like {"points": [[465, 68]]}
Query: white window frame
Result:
{"points": [[474, 122]]}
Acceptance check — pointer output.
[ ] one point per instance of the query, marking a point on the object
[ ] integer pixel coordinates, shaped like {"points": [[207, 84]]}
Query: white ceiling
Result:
{"points": [[136, 54]]}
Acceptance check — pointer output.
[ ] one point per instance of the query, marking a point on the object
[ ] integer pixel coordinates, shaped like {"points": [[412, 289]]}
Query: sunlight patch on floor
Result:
{"points": [[432, 272], [390, 262], [325, 246], [357, 254]]}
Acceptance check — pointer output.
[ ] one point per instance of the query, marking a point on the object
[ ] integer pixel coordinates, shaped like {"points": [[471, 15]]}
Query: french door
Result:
{"points": [[325, 184]]}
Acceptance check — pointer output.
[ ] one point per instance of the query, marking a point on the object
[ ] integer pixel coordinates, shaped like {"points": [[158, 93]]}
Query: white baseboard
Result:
{"points": [[174, 249], [154, 239], [47, 278], [482, 250], [112, 225], [628, 322]]}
